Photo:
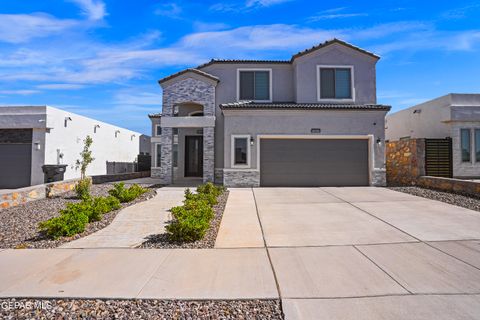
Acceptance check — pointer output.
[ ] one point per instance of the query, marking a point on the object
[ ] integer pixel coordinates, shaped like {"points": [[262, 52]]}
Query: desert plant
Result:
{"points": [[126, 194], [82, 189], [191, 221], [76, 216], [83, 186], [64, 225]]}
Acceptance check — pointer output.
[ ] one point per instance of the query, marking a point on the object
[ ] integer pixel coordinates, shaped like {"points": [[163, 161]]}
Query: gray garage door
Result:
{"points": [[15, 158], [313, 162]]}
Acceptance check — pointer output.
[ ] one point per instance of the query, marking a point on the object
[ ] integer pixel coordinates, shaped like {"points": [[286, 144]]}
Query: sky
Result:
{"points": [[102, 58]]}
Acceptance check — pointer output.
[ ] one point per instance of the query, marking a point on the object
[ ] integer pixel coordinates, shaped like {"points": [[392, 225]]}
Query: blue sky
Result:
{"points": [[102, 58]]}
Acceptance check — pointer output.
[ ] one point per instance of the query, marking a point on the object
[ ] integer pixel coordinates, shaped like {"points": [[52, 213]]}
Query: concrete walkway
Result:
{"points": [[132, 226], [328, 253]]}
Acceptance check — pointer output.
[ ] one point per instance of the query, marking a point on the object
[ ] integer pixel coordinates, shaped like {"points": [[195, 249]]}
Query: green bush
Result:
{"points": [[126, 195], [82, 189], [192, 220], [64, 225], [75, 216]]}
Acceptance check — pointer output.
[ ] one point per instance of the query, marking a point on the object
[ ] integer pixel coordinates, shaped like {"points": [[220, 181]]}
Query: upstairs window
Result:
{"points": [[335, 83], [254, 85], [158, 130], [465, 144]]}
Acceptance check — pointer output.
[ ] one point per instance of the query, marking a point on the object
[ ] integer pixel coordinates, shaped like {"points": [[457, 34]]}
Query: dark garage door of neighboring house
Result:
{"points": [[15, 158], [313, 162]]}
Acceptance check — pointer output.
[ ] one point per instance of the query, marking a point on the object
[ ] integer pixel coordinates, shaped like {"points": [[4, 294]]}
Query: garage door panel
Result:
{"points": [[313, 162], [15, 165]]}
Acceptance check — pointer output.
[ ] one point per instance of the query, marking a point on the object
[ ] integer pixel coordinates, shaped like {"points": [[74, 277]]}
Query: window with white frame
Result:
{"points": [[240, 151], [465, 145], [254, 84], [158, 155], [335, 83]]}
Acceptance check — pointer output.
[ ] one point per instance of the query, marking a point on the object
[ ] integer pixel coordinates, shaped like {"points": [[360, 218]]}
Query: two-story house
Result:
{"points": [[312, 120]]}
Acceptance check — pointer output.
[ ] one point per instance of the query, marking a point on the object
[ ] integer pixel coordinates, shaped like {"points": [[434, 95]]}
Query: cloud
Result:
{"points": [[19, 92], [138, 98], [460, 13], [93, 9], [172, 10], [245, 7], [335, 13], [20, 28], [60, 86]]}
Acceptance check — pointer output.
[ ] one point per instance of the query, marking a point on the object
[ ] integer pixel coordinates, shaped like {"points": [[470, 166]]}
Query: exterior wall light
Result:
{"points": [[66, 121], [252, 141], [116, 133], [132, 137], [95, 127], [379, 141], [37, 145]]}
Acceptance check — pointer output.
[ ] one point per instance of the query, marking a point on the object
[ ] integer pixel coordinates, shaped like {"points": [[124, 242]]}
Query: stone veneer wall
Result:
{"points": [[405, 160], [20, 196], [241, 178], [119, 177], [218, 176], [466, 187], [208, 154]]}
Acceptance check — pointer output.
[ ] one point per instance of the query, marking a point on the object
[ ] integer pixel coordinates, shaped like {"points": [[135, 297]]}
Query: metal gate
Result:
{"points": [[438, 157]]}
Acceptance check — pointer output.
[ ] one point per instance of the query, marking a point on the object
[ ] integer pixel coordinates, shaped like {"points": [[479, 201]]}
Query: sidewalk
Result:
{"points": [[134, 224], [137, 273]]}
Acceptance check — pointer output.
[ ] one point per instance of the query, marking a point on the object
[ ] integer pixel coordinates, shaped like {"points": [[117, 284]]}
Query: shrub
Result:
{"points": [[75, 216], [192, 219], [82, 189], [126, 195], [191, 222], [64, 225]]}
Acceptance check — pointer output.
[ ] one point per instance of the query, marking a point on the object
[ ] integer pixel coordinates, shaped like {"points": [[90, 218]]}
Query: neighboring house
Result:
{"points": [[36, 135], [311, 120], [455, 116]]}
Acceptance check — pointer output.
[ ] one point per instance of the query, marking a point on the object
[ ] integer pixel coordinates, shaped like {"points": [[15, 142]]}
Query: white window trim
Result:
{"points": [[256, 69], [156, 153], [232, 151], [352, 80], [156, 130]]}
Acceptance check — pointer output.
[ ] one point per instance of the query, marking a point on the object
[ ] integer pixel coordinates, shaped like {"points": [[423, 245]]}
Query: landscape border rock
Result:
{"points": [[465, 187]]}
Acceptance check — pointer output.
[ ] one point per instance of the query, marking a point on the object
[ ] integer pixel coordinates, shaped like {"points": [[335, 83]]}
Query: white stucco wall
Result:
{"points": [[69, 140]]}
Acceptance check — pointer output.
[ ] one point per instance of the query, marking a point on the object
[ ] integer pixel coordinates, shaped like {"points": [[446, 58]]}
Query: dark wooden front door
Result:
{"points": [[193, 156]]}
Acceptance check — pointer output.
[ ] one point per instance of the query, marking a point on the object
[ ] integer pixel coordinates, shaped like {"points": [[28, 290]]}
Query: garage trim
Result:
{"points": [[369, 137]]}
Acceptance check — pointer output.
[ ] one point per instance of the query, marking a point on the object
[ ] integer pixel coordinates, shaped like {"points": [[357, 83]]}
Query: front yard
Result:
{"points": [[19, 228]]}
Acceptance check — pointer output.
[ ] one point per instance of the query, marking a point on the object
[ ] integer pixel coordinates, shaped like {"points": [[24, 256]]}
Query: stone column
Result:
{"points": [[208, 154], [166, 169]]}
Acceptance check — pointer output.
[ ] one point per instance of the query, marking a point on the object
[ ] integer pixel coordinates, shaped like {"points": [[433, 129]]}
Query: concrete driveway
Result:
{"points": [[361, 253]]}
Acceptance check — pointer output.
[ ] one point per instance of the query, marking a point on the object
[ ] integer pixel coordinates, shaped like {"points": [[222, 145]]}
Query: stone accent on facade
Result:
{"points": [[20, 196], [166, 169], [241, 178], [379, 177], [465, 187], [189, 90], [208, 154], [155, 172], [405, 161], [218, 176]]}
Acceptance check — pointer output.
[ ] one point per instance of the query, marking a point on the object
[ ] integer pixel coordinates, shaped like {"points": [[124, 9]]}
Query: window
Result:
{"points": [[158, 154], [241, 151], [465, 144], [254, 85], [335, 83], [477, 145], [158, 130]]}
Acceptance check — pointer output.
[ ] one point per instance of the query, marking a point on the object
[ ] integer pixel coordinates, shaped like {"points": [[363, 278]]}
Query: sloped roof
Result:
{"points": [[242, 61], [329, 42], [199, 72], [301, 106]]}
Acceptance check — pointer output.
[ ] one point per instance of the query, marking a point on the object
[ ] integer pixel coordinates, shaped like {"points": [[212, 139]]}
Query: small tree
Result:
{"points": [[86, 155], [83, 186]]}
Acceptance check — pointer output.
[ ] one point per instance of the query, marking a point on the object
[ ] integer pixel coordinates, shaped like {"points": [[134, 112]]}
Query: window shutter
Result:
{"points": [[262, 85], [343, 84], [327, 83], [247, 85]]}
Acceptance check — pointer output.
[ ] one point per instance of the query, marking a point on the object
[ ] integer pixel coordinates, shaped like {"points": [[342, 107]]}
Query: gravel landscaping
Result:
{"points": [[19, 225], [447, 197], [161, 241], [139, 309]]}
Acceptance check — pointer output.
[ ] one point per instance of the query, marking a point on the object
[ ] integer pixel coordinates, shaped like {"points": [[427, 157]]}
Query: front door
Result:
{"points": [[193, 156]]}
